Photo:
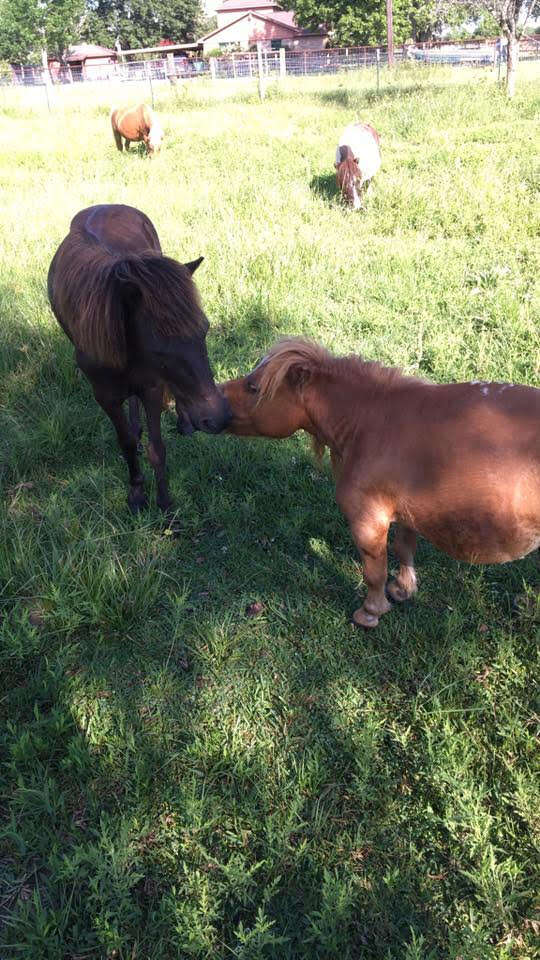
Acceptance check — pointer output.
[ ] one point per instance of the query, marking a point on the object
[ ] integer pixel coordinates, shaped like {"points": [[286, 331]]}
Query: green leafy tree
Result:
{"points": [[364, 22], [351, 23], [140, 23], [29, 26]]}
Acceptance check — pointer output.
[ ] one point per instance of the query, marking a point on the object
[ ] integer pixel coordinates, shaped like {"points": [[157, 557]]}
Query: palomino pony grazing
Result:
{"points": [[458, 463], [137, 124], [135, 320], [358, 158]]}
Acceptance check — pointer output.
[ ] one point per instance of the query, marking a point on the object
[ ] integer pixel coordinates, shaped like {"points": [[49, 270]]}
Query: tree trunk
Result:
{"points": [[512, 61]]}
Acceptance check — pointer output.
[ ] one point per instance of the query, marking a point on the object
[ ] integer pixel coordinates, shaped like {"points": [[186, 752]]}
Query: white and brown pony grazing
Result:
{"points": [[135, 125], [458, 463], [358, 158]]}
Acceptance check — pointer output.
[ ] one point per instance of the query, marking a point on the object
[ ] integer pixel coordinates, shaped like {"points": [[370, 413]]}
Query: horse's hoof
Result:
{"points": [[364, 619], [395, 592], [137, 503]]}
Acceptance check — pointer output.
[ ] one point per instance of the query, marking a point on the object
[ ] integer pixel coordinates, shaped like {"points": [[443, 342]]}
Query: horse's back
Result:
{"points": [[132, 122], [364, 143], [119, 228]]}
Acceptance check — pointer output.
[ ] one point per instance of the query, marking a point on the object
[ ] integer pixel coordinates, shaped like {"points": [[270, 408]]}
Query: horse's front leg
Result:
{"points": [[153, 405], [404, 547], [128, 444], [135, 420], [370, 533]]}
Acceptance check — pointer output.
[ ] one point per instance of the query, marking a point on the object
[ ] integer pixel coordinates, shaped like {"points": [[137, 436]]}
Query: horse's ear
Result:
{"points": [[193, 264], [298, 375]]}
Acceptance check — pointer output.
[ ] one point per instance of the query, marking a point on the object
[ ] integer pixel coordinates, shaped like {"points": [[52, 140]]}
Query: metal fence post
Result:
{"points": [[378, 61], [282, 62], [213, 67], [149, 75], [261, 70], [46, 77], [171, 72]]}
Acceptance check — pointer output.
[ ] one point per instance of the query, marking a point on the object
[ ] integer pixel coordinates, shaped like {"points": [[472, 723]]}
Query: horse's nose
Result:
{"points": [[218, 420]]}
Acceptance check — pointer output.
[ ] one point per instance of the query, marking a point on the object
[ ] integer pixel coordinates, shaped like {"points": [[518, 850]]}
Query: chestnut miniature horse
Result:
{"points": [[134, 318], [358, 158], [137, 124], [458, 463]]}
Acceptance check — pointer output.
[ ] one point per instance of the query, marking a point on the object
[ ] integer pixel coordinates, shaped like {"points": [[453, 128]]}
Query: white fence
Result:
{"points": [[143, 75], [274, 62]]}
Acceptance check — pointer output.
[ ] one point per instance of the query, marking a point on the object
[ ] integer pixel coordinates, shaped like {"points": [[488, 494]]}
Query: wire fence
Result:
{"points": [[255, 65]]}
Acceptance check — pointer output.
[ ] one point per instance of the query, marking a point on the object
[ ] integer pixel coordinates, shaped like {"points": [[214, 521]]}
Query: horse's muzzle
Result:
{"points": [[184, 425], [213, 419]]}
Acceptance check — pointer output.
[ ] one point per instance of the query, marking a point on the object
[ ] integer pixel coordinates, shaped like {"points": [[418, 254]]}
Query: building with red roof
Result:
{"points": [[244, 23], [84, 61]]}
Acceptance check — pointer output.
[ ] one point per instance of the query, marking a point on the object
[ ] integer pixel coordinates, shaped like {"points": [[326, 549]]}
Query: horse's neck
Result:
{"points": [[338, 408]]}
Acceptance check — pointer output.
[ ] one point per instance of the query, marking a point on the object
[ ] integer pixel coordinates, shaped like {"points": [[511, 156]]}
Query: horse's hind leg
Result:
{"points": [[153, 405], [404, 547], [118, 139], [128, 445]]}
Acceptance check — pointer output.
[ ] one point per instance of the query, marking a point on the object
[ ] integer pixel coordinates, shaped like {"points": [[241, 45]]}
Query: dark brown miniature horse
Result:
{"points": [[458, 463], [135, 320]]}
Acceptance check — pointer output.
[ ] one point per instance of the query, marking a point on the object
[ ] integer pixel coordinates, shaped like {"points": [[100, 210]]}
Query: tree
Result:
{"points": [[365, 22], [29, 26], [141, 23], [352, 23], [511, 17]]}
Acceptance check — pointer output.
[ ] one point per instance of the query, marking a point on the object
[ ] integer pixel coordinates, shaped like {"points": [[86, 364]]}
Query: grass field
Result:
{"points": [[180, 779]]}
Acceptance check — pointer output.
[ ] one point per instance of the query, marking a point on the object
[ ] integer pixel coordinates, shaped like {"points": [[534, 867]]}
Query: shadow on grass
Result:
{"points": [[354, 99], [325, 186], [186, 775]]}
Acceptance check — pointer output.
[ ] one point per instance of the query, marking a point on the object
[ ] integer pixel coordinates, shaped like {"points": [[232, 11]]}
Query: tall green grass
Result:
{"points": [[181, 779]]}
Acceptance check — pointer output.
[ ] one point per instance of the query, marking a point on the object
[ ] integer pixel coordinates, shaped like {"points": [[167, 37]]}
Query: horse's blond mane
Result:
{"points": [[288, 354], [306, 359]]}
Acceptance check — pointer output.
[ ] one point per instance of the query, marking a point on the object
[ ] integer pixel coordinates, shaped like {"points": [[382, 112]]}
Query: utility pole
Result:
{"points": [[390, 33]]}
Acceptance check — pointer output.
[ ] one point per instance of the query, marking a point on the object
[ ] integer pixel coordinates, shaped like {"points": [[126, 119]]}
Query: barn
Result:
{"points": [[244, 23]]}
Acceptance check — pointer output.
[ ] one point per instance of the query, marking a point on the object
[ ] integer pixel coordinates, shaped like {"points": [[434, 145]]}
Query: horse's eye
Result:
{"points": [[251, 387]]}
